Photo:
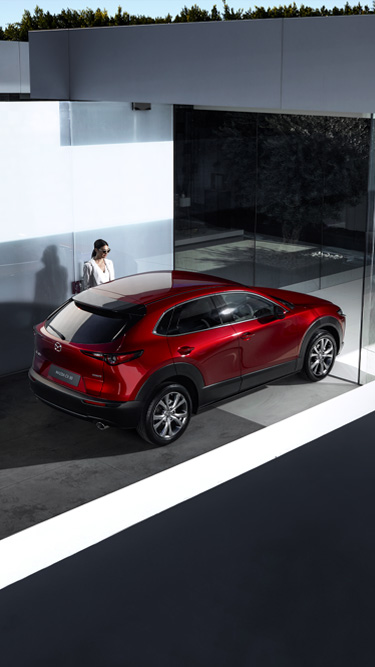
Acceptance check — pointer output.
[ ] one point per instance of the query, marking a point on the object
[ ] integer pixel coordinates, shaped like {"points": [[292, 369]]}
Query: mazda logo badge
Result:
{"points": [[58, 347]]}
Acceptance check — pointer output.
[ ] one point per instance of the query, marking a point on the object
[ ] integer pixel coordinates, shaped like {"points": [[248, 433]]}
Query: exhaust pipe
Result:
{"points": [[101, 426]]}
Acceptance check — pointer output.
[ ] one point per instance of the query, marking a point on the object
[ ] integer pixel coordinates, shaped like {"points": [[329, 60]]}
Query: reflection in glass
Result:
{"points": [[275, 200], [289, 209], [35, 278], [345, 199], [271, 199], [215, 172]]}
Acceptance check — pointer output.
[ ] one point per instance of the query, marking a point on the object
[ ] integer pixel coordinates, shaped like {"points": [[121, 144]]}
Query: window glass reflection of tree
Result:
{"points": [[236, 160], [290, 180], [346, 177], [310, 168]]}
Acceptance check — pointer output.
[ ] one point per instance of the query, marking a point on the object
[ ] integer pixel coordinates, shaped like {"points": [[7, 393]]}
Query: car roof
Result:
{"points": [[133, 293], [146, 288]]}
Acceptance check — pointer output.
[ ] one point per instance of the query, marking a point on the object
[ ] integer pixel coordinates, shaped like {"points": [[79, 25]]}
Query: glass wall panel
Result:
{"points": [[121, 165], [344, 227], [36, 266], [276, 200], [35, 277], [293, 187], [346, 166], [215, 192], [71, 173], [289, 201]]}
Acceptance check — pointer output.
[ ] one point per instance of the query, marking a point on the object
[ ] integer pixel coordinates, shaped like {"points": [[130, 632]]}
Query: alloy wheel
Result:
{"points": [[321, 356], [170, 415]]}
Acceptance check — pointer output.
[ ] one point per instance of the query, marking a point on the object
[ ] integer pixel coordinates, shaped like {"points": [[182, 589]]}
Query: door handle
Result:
{"points": [[184, 350], [247, 335]]}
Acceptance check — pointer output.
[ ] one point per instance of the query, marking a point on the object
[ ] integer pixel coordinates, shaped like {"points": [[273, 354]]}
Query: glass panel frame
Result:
{"points": [[367, 349]]}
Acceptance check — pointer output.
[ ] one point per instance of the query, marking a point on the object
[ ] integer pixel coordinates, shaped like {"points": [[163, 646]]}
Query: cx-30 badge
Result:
{"points": [[58, 347]]}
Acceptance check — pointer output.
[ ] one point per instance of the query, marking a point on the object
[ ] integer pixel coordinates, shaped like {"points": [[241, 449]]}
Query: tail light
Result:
{"points": [[114, 359]]}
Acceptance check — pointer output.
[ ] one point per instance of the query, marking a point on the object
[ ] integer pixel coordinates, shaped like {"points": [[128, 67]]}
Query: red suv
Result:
{"points": [[148, 350]]}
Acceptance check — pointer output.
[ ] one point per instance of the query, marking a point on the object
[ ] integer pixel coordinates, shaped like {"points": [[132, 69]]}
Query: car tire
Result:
{"points": [[320, 356], [166, 415]]}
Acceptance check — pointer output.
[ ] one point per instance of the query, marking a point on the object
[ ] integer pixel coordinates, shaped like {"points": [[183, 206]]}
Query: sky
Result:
{"points": [[11, 11]]}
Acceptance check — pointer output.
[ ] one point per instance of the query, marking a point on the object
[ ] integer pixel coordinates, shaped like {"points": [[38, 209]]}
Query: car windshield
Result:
{"points": [[78, 325]]}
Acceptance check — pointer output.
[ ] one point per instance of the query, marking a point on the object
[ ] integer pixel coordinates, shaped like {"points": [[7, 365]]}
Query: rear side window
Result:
{"points": [[78, 325], [196, 315]]}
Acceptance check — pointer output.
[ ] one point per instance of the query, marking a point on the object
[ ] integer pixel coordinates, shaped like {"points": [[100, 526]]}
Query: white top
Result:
{"points": [[93, 274]]}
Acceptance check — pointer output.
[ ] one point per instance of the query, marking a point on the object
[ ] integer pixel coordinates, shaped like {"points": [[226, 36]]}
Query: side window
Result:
{"points": [[196, 315], [163, 326], [237, 306]]}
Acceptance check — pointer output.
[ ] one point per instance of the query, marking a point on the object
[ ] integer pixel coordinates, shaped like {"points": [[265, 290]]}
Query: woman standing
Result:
{"points": [[99, 269]]}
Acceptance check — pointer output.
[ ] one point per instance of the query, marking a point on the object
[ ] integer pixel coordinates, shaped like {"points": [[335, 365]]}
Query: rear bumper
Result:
{"points": [[110, 413]]}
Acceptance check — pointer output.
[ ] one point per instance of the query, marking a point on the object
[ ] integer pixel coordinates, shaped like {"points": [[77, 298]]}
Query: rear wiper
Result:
{"points": [[58, 332]]}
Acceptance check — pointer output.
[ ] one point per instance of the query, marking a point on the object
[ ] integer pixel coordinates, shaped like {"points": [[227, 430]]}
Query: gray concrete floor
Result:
{"points": [[285, 398], [51, 462]]}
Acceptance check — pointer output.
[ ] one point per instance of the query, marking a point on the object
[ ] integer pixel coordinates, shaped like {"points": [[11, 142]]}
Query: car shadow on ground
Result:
{"points": [[34, 434]]}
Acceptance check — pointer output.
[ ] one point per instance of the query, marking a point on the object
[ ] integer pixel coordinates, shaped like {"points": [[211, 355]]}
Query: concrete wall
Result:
{"points": [[312, 64], [14, 67]]}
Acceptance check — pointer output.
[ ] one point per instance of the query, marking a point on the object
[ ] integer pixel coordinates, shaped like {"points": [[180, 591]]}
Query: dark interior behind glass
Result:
{"points": [[271, 199]]}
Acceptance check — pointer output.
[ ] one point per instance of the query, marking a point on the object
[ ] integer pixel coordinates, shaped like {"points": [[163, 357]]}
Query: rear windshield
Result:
{"points": [[78, 325]]}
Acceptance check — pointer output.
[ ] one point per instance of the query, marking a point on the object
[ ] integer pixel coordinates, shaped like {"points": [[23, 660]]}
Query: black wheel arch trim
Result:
{"points": [[176, 373], [323, 323]]}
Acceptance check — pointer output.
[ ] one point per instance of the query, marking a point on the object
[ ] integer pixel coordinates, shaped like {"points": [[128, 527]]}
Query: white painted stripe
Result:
{"points": [[43, 545]]}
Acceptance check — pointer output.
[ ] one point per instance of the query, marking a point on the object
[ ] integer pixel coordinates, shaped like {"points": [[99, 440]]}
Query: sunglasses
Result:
{"points": [[105, 252]]}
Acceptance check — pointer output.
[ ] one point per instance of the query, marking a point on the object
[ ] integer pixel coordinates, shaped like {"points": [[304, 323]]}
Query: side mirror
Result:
{"points": [[279, 313]]}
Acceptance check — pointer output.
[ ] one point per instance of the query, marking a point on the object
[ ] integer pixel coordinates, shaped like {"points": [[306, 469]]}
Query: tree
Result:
{"points": [[191, 15], [230, 15]]}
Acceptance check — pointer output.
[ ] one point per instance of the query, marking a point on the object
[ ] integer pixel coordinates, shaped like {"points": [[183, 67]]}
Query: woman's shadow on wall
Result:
{"points": [[51, 283], [51, 290]]}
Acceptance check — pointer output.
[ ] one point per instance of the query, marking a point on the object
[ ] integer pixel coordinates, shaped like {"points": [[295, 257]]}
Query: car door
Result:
{"points": [[197, 336], [268, 335]]}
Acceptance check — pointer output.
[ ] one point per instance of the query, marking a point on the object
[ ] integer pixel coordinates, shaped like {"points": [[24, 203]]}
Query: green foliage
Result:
{"points": [[193, 14], [87, 18], [230, 15]]}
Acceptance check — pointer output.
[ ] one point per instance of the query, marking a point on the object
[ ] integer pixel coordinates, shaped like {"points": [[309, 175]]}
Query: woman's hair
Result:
{"points": [[99, 243]]}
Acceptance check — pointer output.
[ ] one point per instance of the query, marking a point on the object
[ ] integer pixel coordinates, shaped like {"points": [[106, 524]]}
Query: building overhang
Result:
{"points": [[315, 64]]}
